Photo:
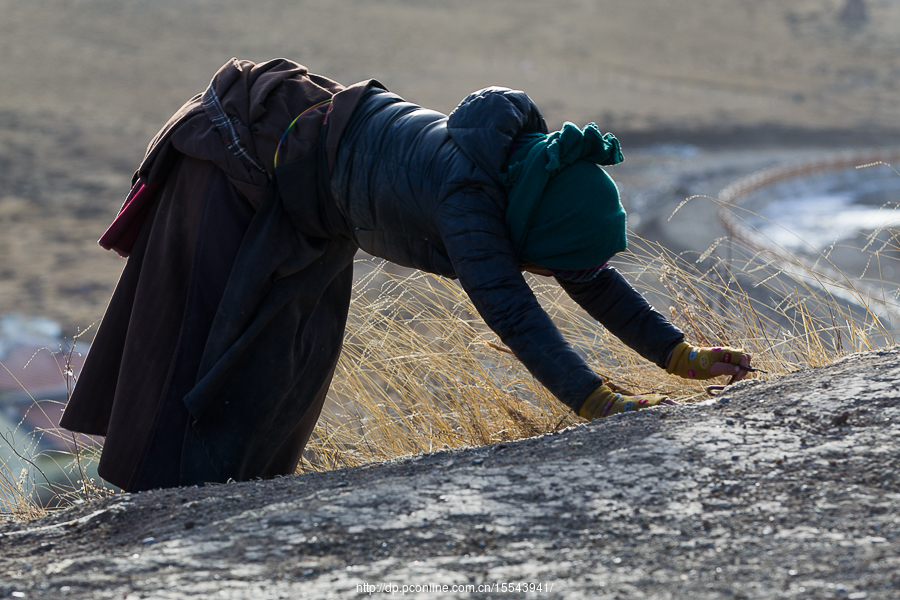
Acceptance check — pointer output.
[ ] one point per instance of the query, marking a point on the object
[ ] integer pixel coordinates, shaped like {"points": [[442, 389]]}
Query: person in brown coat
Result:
{"points": [[221, 339]]}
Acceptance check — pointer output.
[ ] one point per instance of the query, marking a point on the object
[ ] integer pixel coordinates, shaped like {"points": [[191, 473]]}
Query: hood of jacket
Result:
{"points": [[238, 122], [487, 122]]}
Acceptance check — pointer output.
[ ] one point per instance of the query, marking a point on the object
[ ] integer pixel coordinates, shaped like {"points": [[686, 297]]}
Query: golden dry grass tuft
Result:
{"points": [[420, 371], [33, 481]]}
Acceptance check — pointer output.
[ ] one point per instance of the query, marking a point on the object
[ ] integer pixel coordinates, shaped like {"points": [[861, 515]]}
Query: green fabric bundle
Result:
{"points": [[564, 210]]}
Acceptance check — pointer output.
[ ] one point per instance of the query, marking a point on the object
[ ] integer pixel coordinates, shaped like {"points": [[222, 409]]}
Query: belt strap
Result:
{"points": [[225, 124]]}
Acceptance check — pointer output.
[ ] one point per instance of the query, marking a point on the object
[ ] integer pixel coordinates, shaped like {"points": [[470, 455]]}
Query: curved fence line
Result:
{"points": [[734, 192], [829, 278]]}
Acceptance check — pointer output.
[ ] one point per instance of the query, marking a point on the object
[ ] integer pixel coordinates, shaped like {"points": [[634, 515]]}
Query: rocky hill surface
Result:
{"points": [[784, 489]]}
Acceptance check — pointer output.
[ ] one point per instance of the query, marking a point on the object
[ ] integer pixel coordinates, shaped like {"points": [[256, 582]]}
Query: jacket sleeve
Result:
{"points": [[477, 243], [620, 308]]}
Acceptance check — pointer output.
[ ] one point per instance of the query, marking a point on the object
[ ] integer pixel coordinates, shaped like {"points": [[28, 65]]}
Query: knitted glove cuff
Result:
{"points": [[604, 402]]}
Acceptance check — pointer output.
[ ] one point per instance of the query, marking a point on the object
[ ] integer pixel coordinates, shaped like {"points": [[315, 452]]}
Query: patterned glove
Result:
{"points": [[604, 402], [691, 362]]}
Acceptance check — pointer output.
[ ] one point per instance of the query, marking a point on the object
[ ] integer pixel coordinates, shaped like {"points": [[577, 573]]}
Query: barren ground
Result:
{"points": [[783, 489]]}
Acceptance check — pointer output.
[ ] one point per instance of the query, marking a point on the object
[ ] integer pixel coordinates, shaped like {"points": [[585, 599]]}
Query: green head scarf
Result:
{"points": [[564, 210]]}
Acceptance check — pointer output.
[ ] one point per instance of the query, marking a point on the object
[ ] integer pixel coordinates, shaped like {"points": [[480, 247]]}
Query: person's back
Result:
{"points": [[394, 168]]}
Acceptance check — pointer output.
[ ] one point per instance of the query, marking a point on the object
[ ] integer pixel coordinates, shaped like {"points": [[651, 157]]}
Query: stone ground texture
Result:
{"points": [[782, 489]]}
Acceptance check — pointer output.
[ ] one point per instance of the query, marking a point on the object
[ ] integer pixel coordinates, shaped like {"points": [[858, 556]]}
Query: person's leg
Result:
{"points": [[226, 215], [153, 325]]}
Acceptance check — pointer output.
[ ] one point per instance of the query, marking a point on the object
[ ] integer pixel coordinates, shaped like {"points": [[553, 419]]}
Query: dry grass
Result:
{"points": [[40, 481], [421, 372]]}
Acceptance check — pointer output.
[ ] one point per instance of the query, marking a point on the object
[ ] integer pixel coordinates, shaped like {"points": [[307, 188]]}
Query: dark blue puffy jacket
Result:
{"points": [[422, 189]]}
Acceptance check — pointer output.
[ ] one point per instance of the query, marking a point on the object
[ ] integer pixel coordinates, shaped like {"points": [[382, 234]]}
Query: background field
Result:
{"points": [[84, 84]]}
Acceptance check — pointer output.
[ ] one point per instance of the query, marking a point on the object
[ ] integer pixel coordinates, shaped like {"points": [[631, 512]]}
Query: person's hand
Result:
{"points": [[604, 402], [691, 362]]}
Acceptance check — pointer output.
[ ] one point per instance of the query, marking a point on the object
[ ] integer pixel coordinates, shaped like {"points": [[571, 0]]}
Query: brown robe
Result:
{"points": [[187, 377]]}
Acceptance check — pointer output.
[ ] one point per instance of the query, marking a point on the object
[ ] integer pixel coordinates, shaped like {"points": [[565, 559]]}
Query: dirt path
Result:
{"points": [[785, 489]]}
